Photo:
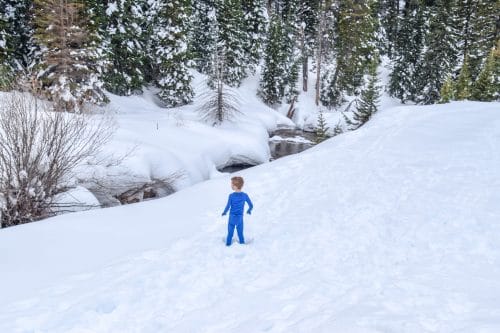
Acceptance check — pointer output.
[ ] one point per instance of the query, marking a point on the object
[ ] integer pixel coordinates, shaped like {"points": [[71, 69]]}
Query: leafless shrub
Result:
{"points": [[220, 106], [221, 103], [38, 151]]}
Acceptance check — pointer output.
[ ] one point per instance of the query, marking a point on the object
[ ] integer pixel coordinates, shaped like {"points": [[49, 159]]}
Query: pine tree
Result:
{"points": [[487, 26], [369, 99], [407, 52], [68, 69], [337, 130], [356, 42], [272, 82], [98, 41], [447, 90], [291, 52], [127, 46], [6, 70], [203, 34], [168, 45], [308, 14], [487, 86], [17, 48], [478, 24], [440, 56], [291, 80], [326, 33], [307, 23], [321, 128], [221, 104], [231, 40], [464, 84], [390, 11], [96, 9], [256, 21], [354, 45]]}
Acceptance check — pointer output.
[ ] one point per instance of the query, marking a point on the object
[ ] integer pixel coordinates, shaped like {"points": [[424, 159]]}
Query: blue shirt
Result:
{"points": [[236, 202]]}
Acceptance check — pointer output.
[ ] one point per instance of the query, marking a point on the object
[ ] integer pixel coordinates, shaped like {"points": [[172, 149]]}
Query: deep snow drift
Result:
{"points": [[391, 228]]}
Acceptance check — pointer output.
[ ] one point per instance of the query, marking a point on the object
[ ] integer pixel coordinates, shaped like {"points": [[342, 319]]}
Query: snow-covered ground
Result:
{"points": [[391, 228]]}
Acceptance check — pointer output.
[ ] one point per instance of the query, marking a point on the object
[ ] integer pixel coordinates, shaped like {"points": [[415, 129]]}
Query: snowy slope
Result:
{"points": [[391, 228]]}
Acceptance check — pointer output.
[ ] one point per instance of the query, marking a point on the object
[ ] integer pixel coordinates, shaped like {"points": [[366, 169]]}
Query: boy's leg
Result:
{"points": [[230, 232], [239, 228]]}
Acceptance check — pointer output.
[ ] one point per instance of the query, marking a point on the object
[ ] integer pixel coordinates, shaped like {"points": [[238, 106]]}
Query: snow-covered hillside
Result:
{"points": [[391, 228]]}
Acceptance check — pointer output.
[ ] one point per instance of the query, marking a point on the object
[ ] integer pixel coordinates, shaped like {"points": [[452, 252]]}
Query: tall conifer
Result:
{"points": [[203, 34], [487, 86], [407, 51], [389, 17], [17, 48], [354, 44], [463, 85], [127, 44], [169, 50], [479, 31], [69, 67], [369, 99], [231, 40], [440, 56], [256, 22], [272, 83], [447, 93]]}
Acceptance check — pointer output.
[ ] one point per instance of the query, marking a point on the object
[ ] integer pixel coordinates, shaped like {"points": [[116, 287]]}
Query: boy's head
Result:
{"points": [[237, 183]]}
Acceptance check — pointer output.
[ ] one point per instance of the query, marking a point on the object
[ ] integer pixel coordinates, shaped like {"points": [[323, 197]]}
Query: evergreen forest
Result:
{"points": [[74, 51]]}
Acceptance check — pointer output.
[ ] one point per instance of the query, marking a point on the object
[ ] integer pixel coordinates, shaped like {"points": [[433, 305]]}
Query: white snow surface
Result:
{"points": [[391, 228]]}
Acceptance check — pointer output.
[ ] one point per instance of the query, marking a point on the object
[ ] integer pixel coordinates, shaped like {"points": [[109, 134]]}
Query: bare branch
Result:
{"points": [[39, 150]]}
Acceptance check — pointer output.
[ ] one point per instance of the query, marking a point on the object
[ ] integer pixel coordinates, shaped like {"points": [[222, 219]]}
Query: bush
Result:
{"points": [[39, 149]]}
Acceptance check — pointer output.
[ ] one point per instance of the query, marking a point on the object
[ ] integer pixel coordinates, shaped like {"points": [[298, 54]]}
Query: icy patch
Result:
{"points": [[296, 139]]}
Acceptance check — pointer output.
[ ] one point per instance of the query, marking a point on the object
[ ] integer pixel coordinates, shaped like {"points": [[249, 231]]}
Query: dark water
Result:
{"points": [[292, 141], [236, 168]]}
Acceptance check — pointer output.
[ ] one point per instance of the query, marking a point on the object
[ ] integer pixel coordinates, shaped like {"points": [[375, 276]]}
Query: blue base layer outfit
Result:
{"points": [[236, 205]]}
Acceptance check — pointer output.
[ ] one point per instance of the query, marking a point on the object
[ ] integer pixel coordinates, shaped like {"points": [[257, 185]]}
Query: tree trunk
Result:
{"points": [[466, 31], [305, 61], [319, 51]]}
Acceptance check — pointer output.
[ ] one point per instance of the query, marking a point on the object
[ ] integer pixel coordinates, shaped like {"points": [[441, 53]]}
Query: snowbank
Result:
{"points": [[165, 141], [391, 228]]}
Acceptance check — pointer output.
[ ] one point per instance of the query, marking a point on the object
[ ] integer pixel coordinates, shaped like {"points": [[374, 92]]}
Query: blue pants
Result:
{"points": [[235, 221]]}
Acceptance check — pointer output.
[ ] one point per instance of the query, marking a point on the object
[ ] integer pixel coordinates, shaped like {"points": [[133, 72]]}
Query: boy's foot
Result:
{"points": [[247, 241], [235, 240]]}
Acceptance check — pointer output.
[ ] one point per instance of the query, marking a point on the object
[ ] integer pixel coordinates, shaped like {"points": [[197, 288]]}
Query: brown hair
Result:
{"points": [[238, 182]]}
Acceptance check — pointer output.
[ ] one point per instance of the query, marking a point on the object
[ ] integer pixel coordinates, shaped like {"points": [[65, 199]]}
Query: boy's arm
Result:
{"points": [[250, 205], [227, 206]]}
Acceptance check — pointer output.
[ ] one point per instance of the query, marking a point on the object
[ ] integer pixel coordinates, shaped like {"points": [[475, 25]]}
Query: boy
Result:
{"points": [[236, 202]]}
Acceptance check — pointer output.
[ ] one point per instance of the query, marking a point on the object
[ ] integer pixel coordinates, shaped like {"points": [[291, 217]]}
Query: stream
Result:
{"points": [[282, 142], [286, 141]]}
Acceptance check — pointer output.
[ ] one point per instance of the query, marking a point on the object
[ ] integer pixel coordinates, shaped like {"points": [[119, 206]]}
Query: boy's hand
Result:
{"points": [[249, 212], [224, 214]]}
